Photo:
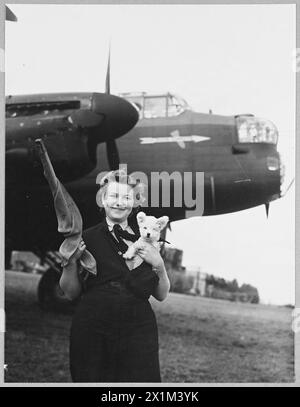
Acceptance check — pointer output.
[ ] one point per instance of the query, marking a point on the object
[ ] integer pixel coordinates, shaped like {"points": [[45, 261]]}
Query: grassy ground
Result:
{"points": [[201, 339]]}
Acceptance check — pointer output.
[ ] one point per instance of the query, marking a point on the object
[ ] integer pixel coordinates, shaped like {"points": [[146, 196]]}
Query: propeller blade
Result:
{"points": [[112, 154], [107, 79], [267, 206], [111, 145], [287, 189]]}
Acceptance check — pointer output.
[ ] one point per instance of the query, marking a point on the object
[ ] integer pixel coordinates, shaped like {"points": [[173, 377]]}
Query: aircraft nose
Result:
{"points": [[120, 116]]}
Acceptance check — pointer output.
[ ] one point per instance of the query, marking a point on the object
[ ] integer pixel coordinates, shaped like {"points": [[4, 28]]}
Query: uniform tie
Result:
{"points": [[123, 234]]}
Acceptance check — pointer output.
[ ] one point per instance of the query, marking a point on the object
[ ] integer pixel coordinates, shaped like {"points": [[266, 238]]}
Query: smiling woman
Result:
{"points": [[119, 195], [114, 336]]}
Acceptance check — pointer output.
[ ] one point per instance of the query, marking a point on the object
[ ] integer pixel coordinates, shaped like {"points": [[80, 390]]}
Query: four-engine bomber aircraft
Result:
{"points": [[87, 133], [238, 155]]}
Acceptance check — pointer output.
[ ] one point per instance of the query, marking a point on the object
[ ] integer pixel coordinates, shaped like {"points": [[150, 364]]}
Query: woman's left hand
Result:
{"points": [[151, 255]]}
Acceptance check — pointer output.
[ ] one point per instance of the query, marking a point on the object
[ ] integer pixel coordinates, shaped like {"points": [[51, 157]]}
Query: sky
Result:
{"points": [[229, 58]]}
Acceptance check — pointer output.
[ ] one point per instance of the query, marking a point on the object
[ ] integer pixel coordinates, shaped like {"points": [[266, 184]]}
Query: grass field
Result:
{"points": [[201, 339]]}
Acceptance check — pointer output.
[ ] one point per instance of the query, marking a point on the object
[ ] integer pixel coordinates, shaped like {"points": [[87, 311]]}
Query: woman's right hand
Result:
{"points": [[81, 248]]}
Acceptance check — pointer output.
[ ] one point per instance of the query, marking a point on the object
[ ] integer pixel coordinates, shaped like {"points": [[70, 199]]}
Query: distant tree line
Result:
{"points": [[216, 287], [243, 293]]}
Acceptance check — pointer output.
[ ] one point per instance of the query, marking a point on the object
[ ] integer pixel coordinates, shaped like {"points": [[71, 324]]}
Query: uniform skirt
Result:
{"points": [[114, 337]]}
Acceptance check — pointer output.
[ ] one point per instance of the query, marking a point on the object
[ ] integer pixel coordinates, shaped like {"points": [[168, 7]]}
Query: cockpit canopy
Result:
{"points": [[153, 106]]}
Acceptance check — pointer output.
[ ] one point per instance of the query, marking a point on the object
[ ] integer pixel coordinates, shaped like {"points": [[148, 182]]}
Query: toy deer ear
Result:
{"points": [[140, 217], [163, 221]]}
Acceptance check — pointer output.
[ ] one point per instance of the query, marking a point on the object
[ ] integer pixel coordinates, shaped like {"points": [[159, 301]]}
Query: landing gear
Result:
{"points": [[50, 295]]}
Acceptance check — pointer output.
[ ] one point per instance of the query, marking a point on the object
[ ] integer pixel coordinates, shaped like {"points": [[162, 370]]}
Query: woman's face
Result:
{"points": [[118, 201]]}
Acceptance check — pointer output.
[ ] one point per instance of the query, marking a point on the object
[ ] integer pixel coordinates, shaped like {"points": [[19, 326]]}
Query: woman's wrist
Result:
{"points": [[158, 266], [71, 265]]}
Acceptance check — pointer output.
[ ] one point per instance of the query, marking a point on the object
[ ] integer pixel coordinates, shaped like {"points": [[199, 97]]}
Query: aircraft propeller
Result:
{"points": [[107, 79], [288, 187], [111, 145], [109, 117], [267, 206]]}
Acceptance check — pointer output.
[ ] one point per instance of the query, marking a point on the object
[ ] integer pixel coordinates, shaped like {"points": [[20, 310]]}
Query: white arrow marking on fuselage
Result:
{"points": [[174, 138]]}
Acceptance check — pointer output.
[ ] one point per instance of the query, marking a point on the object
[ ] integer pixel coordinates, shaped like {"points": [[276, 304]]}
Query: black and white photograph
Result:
{"points": [[149, 194]]}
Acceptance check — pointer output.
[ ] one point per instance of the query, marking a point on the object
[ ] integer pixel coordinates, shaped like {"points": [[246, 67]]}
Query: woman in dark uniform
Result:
{"points": [[114, 335]]}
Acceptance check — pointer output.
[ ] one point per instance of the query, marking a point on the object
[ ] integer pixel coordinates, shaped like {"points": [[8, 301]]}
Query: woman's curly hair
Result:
{"points": [[122, 177]]}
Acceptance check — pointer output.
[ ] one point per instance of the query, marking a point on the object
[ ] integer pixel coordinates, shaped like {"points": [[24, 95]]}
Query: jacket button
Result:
{"points": [[120, 253]]}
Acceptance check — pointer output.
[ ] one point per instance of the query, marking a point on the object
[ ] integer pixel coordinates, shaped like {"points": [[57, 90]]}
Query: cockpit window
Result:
{"points": [[175, 105], [152, 106], [155, 107]]}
